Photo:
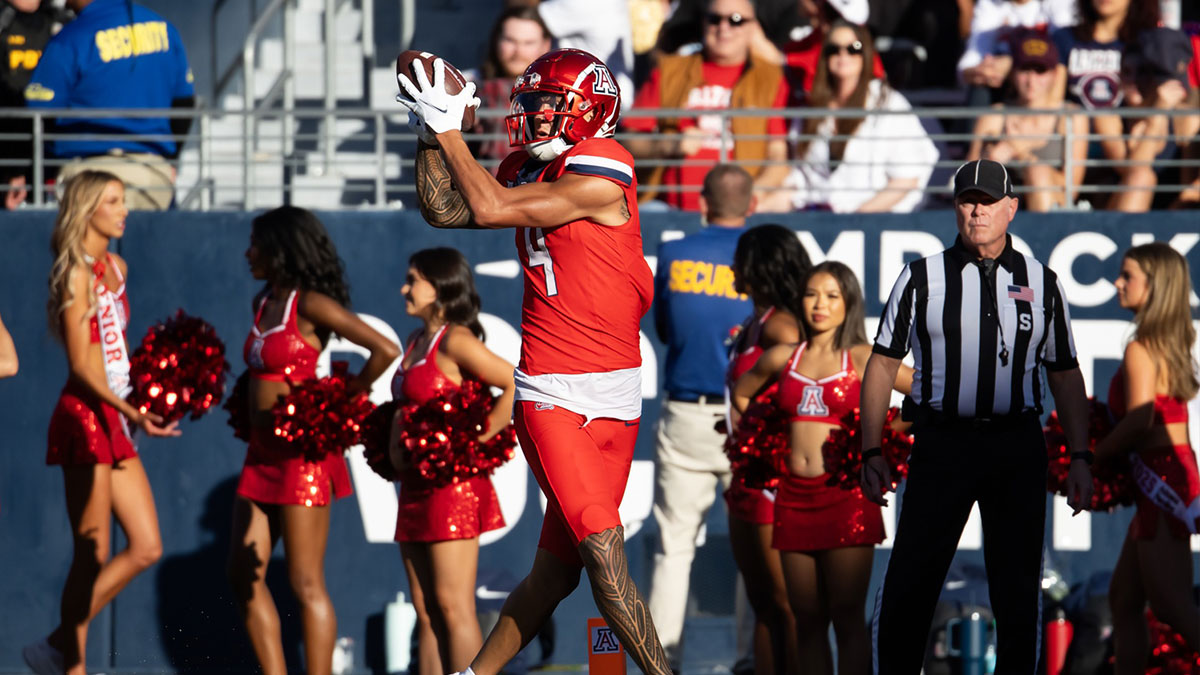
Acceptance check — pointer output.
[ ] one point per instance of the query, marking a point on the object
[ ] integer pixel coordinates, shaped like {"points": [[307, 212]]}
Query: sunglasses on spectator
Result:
{"points": [[853, 49], [735, 19]]}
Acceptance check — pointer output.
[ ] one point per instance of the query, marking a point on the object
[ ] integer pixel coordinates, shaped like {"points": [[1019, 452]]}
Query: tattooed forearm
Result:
{"points": [[619, 600], [442, 205]]}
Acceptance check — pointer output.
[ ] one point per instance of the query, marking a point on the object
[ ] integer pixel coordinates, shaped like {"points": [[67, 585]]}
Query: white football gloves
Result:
{"points": [[417, 126], [438, 111]]}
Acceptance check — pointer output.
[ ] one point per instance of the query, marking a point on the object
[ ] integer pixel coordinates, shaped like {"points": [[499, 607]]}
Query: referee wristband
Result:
{"points": [[872, 452], [1086, 455]]}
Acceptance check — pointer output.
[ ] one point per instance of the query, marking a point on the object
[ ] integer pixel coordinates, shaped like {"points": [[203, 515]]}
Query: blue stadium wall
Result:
{"points": [[179, 615]]}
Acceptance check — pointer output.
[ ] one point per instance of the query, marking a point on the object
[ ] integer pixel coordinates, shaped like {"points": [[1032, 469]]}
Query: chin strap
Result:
{"points": [[547, 150]]}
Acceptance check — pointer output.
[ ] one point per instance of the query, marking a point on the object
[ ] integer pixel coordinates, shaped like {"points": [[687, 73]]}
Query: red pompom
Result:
{"points": [[441, 436], [1112, 485], [842, 451], [759, 448], [1169, 653], [178, 369], [319, 417], [238, 406], [374, 436]]}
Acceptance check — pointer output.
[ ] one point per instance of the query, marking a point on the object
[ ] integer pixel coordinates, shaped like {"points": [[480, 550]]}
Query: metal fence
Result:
{"points": [[360, 157]]}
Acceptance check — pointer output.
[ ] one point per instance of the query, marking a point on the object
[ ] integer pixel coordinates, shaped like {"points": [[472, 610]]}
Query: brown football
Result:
{"points": [[408, 60]]}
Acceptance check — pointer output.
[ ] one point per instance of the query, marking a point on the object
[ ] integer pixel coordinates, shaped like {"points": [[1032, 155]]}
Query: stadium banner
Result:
{"points": [[179, 615]]}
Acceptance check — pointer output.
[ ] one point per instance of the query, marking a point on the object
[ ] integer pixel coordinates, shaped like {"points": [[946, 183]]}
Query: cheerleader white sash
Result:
{"points": [[114, 347], [1154, 488]]}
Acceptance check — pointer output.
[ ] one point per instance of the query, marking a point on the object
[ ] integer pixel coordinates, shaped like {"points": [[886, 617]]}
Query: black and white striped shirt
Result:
{"points": [[941, 310]]}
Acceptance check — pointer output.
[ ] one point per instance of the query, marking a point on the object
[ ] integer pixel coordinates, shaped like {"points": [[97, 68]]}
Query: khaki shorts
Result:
{"points": [[149, 179]]}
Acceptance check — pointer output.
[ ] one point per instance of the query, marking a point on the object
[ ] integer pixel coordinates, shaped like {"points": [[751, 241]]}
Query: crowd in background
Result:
{"points": [[1043, 69], [1043, 75]]}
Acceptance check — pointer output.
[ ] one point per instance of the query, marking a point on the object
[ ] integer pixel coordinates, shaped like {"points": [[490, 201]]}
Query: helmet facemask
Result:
{"points": [[537, 120]]}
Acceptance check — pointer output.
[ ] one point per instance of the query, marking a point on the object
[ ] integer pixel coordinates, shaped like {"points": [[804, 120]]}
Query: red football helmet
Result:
{"points": [[565, 95]]}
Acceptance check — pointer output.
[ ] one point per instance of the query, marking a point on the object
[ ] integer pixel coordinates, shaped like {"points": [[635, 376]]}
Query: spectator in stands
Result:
{"points": [[117, 55], [518, 37], [868, 163], [781, 22], [25, 28], [1089, 72], [599, 27], [646, 19], [1034, 143], [1154, 76], [1187, 129], [801, 53], [1090, 52], [987, 59], [722, 76]]}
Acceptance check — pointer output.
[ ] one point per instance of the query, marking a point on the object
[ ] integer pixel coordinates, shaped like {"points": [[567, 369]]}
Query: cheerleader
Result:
{"points": [[90, 433], [438, 528], [1149, 396], [280, 493], [769, 265], [826, 534]]}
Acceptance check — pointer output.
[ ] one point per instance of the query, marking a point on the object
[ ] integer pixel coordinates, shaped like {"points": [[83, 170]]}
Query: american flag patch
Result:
{"points": [[1023, 293]]}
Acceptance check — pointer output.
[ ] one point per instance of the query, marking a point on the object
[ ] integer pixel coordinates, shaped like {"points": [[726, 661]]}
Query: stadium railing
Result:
{"points": [[362, 154]]}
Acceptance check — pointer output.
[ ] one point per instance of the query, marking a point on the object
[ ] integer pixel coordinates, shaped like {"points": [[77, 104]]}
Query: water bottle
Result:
{"points": [[343, 656], [1058, 639], [399, 619], [968, 644]]}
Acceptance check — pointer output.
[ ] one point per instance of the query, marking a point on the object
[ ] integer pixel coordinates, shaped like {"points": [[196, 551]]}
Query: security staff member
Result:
{"points": [[117, 55], [981, 320], [25, 28], [695, 309]]}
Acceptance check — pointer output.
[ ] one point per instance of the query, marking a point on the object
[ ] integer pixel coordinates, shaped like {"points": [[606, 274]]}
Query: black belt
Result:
{"points": [[702, 399], [928, 417]]}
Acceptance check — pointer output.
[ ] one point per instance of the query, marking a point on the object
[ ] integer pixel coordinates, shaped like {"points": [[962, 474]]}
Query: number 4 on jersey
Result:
{"points": [[539, 256]]}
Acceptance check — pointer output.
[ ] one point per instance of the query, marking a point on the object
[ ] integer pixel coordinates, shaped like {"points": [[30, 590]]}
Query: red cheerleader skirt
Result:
{"points": [[1177, 467], [276, 474], [812, 516], [86, 430], [463, 510], [749, 505]]}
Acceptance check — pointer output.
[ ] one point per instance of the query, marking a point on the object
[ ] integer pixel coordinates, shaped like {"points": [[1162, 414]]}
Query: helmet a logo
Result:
{"points": [[603, 83]]}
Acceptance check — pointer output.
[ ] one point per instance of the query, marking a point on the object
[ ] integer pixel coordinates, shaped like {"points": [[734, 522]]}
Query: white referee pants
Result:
{"points": [[691, 465]]}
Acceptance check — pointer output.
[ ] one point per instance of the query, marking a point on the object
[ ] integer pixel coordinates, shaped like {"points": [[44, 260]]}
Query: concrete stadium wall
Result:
{"points": [[179, 615]]}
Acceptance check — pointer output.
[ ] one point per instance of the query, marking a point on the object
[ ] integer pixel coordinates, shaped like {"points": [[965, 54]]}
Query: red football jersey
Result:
{"points": [[587, 285]]}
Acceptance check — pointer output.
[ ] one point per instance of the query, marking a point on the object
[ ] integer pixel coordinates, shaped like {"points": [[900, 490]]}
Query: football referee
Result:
{"points": [[981, 320]]}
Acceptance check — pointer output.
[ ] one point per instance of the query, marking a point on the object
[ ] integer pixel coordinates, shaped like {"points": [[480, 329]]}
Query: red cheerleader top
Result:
{"points": [[122, 302], [826, 400], [1167, 409], [422, 380], [280, 353]]}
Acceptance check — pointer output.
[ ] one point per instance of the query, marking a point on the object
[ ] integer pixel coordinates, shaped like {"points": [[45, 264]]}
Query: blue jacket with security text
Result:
{"points": [[114, 55], [696, 308]]}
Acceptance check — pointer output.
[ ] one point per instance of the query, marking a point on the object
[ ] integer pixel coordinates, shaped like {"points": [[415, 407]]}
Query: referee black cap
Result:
{"points": [[984, 175]]}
